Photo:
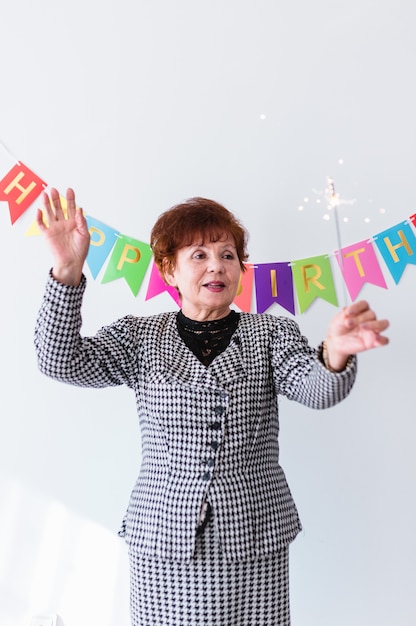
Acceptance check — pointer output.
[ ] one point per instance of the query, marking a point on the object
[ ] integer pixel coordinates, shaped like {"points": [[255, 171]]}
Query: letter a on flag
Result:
{"points": [[20, 188]]}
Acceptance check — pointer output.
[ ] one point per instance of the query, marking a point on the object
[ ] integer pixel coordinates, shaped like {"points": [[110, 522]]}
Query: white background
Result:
{"points": [[138, 105]]}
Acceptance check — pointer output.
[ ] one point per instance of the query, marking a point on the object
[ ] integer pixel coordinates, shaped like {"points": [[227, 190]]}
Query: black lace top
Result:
{"points": [[207, 339]]}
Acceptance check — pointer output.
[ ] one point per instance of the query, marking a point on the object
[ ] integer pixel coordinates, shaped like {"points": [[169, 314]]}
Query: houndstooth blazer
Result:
{"points": [[207, 432]]}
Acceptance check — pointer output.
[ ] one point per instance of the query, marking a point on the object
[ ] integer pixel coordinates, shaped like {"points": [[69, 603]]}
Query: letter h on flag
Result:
{"points": [[20, 188]]}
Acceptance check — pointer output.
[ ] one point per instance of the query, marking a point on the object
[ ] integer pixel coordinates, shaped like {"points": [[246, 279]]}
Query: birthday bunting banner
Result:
{"points": [[121, 256]]}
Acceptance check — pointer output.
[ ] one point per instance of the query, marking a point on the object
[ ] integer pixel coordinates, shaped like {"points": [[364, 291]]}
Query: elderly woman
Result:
{"points": [[211, 516]]}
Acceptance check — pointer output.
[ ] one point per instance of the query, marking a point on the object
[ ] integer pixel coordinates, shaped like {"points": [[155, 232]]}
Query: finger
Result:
{"points": [[376, 340], [81, 222], [381, 340], [367, 316], [50, 214], [56, 201], [360, 315], [70, 203], [378, 326], [357, 308], [40, 221]]}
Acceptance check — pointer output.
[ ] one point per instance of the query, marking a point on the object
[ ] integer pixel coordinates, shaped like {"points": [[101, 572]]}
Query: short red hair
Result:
{"points": [[196, 219]]}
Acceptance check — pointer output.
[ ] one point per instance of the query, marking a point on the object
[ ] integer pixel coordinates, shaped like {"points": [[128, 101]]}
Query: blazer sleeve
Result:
{"points": [[299, 374], [107, 359]]}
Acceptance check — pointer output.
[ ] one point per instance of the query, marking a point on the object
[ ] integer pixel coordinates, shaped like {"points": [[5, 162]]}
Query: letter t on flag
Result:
{"points": [[20, 188]]}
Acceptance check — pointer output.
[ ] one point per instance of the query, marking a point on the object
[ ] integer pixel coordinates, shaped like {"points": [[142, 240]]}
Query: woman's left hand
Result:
{"points": [[354, 329]]}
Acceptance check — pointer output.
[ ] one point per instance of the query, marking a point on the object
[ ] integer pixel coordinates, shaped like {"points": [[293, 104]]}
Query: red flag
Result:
{"points": [[20, 188], [245, 289]]}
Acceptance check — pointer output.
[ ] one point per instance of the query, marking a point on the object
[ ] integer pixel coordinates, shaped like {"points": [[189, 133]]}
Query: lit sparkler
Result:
{"points": [[334, 201]]}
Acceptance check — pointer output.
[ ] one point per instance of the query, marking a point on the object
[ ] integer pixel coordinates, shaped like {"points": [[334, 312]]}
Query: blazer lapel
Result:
{"points": [[187, 369], [228, 366]]}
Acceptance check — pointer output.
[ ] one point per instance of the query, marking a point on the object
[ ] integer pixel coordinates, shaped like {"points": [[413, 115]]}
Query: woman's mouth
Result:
{"points": [[214, 286]]}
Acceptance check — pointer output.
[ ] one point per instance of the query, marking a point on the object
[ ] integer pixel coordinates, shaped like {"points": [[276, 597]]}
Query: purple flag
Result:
{"points": [[274, 283]]}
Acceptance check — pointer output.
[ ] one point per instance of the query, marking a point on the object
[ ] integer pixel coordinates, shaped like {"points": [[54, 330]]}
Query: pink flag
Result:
{"points": [[157, 285], [359, 265]]}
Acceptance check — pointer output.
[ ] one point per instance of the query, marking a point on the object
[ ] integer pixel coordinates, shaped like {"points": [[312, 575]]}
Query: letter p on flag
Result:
{"points": [[20, 188]]}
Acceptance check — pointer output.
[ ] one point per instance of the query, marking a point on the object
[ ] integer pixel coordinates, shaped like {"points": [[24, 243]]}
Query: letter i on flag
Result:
{"points": [[20, 188], [274, 283]]}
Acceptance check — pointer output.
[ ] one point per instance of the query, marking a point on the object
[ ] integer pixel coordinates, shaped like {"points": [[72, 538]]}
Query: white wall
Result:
{"points": [[138, 105]]}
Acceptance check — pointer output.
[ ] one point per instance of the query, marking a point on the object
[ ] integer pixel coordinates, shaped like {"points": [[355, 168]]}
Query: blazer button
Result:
{"points": [[206, 476], [219, 410], [214, 445], [215, 426], [222, 394]]}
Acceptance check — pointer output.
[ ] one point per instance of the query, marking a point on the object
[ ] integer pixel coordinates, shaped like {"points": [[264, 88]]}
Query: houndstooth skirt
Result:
{"points": [[209, 590]]}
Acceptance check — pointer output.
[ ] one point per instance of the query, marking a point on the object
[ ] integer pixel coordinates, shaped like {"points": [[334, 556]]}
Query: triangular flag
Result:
{"points": [[313, 279], [157, 286], [274, 283], [245, 289], [20, 188], [397, 245], [359, 265], [129, 260], [102, 241]]}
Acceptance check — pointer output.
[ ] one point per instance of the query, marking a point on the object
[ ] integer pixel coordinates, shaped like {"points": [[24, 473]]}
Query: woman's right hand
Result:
{"points": [[68, 237]]}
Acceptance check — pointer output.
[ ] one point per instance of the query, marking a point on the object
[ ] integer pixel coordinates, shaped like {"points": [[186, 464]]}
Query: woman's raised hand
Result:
{"points": [[354, 329], [67, 236]]}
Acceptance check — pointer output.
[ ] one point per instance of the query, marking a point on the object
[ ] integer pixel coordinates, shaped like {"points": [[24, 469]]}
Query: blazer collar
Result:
{"points": [[185, 367]]}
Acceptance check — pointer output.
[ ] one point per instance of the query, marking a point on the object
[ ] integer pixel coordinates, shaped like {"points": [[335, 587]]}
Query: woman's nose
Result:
{"points": [[215, 265]]}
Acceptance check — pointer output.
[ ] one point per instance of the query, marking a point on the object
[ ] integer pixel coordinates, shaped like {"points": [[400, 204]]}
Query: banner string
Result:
{"points": [[275, 282]]}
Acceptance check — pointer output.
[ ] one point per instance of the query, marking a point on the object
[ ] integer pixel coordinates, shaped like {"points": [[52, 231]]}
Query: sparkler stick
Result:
{"points": [[334, 202]]}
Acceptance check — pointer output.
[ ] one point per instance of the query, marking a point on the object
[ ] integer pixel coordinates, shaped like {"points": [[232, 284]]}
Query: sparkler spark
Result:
{"points": [[332, 198], [333, 202]]}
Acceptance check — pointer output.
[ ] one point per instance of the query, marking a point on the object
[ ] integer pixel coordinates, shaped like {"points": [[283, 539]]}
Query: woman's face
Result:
{"points": [[207, 275]]}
